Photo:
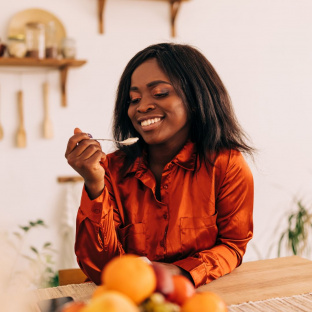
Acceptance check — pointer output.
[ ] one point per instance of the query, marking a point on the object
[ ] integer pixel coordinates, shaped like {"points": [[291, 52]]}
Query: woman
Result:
{"points": [[182, 195]]}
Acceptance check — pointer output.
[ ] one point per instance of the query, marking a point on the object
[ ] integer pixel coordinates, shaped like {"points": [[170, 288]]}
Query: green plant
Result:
{"points": [[299, 227], [39, 259]]}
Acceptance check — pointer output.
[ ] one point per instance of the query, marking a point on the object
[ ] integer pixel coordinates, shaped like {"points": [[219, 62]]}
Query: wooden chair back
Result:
{"points": [[71, 276]]}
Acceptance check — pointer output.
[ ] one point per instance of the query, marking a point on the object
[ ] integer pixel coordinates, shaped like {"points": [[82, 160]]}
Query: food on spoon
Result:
{"points": [[129, 141]]}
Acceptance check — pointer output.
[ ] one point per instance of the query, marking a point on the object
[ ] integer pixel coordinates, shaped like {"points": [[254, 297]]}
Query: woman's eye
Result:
{"points": [[161, 94], [134, 101]]}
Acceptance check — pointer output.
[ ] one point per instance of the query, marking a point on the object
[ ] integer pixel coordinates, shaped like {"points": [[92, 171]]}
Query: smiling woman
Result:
{"points": [[183, 194]]}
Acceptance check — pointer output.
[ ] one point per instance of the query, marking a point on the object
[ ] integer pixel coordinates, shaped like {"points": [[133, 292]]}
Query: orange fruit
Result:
{"points": [[182, 289], [99, 290], [204, 301], [131, 276], [73, 306], [111, 301]]}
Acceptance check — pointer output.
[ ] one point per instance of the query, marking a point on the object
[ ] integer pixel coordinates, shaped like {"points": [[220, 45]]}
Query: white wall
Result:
{"points": [[261, 49]]}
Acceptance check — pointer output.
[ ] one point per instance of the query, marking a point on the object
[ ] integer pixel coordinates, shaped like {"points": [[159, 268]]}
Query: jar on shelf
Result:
{"points": [[16, 46], [69, 48], [2, 48], [51, 45], [35, 40]]}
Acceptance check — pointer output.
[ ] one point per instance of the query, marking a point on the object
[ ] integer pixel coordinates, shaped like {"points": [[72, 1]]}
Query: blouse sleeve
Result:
{"points": [[96, 238], [234, 208]]}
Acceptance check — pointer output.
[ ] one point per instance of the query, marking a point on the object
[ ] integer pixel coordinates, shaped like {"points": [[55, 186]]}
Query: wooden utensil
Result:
{"points": [[47, 124], [21, 133], [1, 129]]}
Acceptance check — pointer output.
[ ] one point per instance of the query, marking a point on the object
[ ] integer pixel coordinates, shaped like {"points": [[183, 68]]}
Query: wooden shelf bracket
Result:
{"points": [[62, 65], [174, 8], [101, 8]]}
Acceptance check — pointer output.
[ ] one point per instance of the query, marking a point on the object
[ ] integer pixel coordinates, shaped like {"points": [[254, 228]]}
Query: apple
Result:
{"points": [[183, 289], [164, 279]]}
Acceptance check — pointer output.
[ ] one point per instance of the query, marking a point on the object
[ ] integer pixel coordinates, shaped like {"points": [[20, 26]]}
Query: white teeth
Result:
{"points": [[149, 121]]}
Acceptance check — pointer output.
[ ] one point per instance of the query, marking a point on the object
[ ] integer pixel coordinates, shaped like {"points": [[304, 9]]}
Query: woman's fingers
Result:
{"points": [[77, 130], [83, 152], [74, 141]]}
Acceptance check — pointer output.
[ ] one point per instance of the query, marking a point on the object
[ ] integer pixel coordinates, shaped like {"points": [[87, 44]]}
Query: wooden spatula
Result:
{"points": [[21, 133], [47, 124], [1, 129]]}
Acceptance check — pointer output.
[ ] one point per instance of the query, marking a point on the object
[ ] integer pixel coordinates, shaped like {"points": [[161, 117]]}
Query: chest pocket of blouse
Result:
{"points": [[197, 233], [133, 238]]}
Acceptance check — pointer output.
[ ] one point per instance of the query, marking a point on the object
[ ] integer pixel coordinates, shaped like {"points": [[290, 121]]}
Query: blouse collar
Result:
{"points": [[186, 159]]}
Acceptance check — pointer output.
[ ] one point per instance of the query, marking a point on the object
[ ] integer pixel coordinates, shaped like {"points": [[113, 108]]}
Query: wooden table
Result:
{"points": [[282, 284]]}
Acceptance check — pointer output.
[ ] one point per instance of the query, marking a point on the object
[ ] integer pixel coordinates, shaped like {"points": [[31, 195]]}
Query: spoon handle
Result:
{"points": [[104, 140]]}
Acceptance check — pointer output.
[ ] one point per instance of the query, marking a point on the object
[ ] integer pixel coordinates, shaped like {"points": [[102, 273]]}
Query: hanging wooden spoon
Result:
{"points": [[1, 129], [47, 124], [21, 133]]}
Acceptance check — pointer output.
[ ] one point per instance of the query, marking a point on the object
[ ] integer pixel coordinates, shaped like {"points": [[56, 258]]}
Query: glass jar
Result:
{"points": [[35, 40], [51, 46], [2, 48], [16, 46], [69, 48]]}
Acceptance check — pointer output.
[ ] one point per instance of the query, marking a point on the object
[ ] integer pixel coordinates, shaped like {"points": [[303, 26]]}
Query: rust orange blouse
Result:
{"points": [[202, 223]]}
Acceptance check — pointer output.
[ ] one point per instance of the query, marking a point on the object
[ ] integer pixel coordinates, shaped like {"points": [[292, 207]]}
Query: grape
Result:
{"points": [[157, 303]]}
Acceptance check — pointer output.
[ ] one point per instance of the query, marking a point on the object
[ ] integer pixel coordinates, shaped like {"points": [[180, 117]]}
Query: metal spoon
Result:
{"points": [[128, 141]]}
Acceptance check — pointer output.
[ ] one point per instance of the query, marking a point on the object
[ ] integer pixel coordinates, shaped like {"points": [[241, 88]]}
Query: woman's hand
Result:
{"points": [[175, 270], [84, 155]]}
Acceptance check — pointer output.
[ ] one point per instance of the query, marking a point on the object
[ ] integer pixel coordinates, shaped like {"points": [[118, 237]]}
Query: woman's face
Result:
{"points": [[156, 111]]}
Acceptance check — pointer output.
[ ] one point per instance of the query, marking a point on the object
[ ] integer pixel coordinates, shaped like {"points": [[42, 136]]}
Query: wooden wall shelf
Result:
{"points": [[174, 8], [70, 179], [62, 64]]}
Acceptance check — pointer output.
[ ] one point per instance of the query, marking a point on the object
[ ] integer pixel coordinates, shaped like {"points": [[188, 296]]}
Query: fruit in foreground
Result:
{"points": [[183, 290], [164, 280], [111, 301], [157, 303], [73, 306], [131, 276], [204, 301], [99, 290]]}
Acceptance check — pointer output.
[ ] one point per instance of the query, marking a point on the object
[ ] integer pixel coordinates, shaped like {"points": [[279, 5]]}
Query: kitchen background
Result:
{"points": [[263, 53]]}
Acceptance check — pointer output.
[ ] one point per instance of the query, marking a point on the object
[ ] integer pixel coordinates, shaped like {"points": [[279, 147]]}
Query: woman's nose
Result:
{"points": [[145, 105]]}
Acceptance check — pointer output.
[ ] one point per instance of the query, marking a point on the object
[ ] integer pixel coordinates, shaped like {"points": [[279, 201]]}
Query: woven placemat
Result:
{"points": [[79, 292], [83, 292], [287, 304]]}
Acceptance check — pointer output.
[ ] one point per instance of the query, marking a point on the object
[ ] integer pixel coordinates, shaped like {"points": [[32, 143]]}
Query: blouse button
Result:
{"points": [[96, 209], [165, 186], [165, 216]]}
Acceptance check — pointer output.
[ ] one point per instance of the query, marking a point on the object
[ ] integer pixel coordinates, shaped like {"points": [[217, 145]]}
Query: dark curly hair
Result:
{"points": [[213, 124]]}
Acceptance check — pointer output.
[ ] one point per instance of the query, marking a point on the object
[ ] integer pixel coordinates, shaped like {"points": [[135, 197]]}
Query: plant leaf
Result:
{"points": [[35, 250], [47, 244], [25, 228]]}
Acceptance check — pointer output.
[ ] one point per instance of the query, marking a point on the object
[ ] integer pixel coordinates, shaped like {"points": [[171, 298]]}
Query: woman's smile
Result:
{"points": [[150, 123]]}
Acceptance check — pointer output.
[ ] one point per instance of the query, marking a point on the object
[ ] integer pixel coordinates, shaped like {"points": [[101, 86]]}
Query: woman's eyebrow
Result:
{"points": [[151, 84]]}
